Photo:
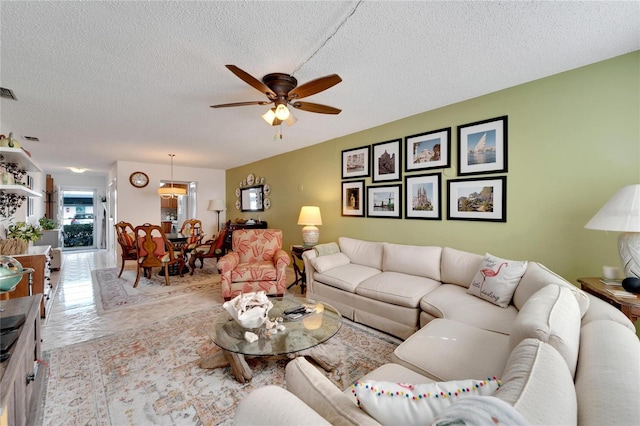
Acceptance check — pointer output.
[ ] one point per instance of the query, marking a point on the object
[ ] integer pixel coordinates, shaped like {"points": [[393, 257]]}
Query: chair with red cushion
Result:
{"points": [[192, 228], [155, 250], [127, 240], [256, 262], [211, 249]]}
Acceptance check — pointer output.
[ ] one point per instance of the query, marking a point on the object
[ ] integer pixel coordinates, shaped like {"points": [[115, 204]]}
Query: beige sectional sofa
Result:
{"points": [[563, 357]]}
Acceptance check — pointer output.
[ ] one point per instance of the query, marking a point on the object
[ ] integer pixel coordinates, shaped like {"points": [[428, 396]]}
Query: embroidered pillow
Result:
{"points": [[497, 279], [324, 263], [398, 403]]}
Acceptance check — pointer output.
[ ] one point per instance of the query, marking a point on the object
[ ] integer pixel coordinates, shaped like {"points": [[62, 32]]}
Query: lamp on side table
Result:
{"points": [[309, 217], [217, 206], [622, 213]]}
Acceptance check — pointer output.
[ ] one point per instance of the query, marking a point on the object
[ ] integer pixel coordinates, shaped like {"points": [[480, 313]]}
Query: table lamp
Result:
{"points": [[217, 206], [310, 216], [622, 213]]}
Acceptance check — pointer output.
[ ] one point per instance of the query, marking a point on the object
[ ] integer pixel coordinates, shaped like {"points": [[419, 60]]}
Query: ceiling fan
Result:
{"points": [[282, 90]]}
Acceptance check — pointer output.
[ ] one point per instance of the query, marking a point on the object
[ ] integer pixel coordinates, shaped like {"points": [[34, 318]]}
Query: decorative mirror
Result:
{"points": [[251, 199]]}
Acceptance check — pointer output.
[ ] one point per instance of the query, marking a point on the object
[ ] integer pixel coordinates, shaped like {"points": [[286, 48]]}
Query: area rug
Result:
{"points": [[113, 293], [151, 377]]}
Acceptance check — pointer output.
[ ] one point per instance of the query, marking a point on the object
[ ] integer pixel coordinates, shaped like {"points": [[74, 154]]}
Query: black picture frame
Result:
{"points": [[482, 199], [423, 196], [482, 146], [428, 150], [356, 162], [353, 198], [386, 161], [384, 201]]}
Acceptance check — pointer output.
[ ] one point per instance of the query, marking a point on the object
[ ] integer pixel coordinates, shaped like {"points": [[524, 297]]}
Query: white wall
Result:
{"points": [[142, 205]]}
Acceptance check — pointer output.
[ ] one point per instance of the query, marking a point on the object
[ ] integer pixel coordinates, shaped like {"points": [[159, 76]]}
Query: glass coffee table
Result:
{"points": [[300, 337]]}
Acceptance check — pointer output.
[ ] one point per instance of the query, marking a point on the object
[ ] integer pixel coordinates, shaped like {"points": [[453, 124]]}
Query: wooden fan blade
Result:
{"points": [[314, 86], [235, 104], [252, 81], [311, 107]]}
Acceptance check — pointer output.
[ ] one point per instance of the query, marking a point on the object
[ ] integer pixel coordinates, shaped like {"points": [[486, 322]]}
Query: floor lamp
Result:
{"points": [[216, 206]]}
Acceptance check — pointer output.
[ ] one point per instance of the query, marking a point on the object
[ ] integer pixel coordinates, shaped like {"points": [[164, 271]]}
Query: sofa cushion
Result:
{"points": [[393, 403], [324, 263], [397, 288], [497, 279], [346, 277], [423, 261], [313, 388], [450, 350], [459, 267], [256, 271], [607, 375], [536, 277], [452, 302], [260, 404], [362, 252], [537, 383], [552, 316]]}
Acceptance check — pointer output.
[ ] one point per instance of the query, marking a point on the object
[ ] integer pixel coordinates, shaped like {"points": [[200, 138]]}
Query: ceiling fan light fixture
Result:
{"points": [[291, 120], [270, 116], [282, 112]]}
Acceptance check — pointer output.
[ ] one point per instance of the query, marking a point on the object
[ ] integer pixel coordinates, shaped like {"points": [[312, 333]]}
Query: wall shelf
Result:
{"points": [[19, 190], [18, 156]]}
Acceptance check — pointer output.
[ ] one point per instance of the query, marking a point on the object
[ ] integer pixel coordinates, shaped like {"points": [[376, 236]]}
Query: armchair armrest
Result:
{"points": [[228, 262], [281, 259]]}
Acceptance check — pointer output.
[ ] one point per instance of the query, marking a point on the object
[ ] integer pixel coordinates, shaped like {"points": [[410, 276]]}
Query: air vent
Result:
{"points": [[31, 138], [7, 93]]}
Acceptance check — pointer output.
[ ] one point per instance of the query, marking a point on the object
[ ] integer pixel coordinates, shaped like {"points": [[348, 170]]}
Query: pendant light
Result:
{"points": [[171, 192]]}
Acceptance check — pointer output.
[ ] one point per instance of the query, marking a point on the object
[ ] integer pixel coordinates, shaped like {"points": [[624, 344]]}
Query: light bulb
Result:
{"points": [[282, 112]]}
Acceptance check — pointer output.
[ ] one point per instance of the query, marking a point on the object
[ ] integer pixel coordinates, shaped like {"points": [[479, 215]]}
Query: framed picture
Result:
{"points": [[428, 150], [477, 199], [423, 196], [386, 161], [355, 162], [482, 147], [384, 201], [353, 198]]}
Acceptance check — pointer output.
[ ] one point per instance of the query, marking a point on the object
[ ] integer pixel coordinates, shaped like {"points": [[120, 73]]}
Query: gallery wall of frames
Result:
{"points": [[403, 177]]}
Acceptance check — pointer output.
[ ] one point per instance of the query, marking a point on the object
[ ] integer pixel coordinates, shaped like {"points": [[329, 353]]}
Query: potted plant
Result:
{"points": [[19, 236], [48, 224]]}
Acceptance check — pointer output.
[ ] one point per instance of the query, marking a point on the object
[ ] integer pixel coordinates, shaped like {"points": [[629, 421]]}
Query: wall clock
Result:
{"points": [[139, 179]]}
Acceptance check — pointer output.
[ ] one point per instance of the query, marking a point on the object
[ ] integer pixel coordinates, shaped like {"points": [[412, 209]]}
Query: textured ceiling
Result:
{"points": [[98, 82]]}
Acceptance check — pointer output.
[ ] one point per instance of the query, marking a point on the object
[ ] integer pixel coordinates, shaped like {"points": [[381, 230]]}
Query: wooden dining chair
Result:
{"points": [[155, 250], [192, 228], [127, 240], [211, 249]]}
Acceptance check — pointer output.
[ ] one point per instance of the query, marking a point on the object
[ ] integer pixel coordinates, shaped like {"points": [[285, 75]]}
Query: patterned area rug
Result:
{"points": [[151, 377], [112, 293]]}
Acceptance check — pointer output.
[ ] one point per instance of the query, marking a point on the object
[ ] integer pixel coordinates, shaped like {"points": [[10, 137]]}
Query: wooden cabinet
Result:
{"points": [[37, 258], [21, 381], [169, 203]]}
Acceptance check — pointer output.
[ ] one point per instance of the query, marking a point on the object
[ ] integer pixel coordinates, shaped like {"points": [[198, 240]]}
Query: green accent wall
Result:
{"points": [[573, 141]]}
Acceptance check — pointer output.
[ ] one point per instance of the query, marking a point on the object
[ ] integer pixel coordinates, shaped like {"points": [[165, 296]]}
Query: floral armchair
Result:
{"points": [[256, 262]]}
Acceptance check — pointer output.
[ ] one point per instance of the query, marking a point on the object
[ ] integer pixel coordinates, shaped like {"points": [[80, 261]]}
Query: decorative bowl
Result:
{"points": [[10, 273], [249, 310]]}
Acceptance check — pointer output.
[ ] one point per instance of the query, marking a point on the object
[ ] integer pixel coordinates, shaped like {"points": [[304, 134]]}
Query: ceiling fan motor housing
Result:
{"points": [[280, 83]]}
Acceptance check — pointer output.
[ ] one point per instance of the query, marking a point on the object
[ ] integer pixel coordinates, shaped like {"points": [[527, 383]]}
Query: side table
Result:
{"points": [[630, 306], [296, 255]]}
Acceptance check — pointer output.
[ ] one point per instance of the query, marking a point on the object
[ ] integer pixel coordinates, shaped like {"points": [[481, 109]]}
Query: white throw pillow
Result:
{"points": [[324, 263], [497, 279], [398, 403]]}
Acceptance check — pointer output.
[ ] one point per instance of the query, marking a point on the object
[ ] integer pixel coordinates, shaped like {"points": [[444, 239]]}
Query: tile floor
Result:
{"points": [[72, 316]]}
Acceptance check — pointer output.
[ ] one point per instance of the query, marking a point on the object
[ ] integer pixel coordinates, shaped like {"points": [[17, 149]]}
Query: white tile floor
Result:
{"points": [[72, 316]]}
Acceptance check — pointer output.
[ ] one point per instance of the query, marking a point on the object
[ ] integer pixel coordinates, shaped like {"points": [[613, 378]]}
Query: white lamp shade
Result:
{"points": [[216, 205], [621, 213], [310, 215]]}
